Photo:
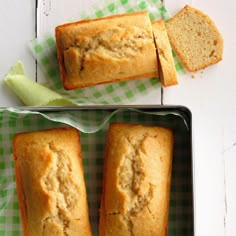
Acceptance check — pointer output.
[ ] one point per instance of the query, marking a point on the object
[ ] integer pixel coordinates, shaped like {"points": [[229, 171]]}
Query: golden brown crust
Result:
{"points": [[164, 51], [50, 182], [104, 50], [195, 38], [136, 184], [21, 200]]}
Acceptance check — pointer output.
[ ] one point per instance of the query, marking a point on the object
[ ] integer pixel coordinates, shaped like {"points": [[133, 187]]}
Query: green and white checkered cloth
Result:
{"points": [[93, 125], [44, 50]]}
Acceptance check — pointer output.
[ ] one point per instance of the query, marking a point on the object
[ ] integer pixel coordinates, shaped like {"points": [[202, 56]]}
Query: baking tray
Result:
{"points": [[93, 122]]}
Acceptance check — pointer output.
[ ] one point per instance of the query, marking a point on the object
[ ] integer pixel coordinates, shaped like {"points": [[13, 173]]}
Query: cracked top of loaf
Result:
{"points": [[137, 177], [50, 183], [103, 50]]}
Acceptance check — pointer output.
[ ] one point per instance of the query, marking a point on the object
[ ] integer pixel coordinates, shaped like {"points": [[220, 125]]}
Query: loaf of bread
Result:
{"points": [[136, 184], [104, 50], [50, 183], [167, 70], [195, 38]]}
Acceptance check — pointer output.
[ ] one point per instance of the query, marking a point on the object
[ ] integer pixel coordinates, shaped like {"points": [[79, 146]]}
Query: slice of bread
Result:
{"points": [[195, 38], [167, 70]]}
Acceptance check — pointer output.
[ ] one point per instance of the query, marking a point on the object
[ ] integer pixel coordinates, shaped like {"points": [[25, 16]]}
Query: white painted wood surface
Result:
{"points": [[17, 28], [211, 96]]}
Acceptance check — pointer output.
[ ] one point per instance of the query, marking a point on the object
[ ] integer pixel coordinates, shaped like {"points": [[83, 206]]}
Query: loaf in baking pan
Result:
{"points": [[136, 182], [50, 183], [104, 50]]}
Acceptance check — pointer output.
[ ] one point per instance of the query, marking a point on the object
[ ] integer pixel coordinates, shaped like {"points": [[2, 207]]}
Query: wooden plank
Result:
{"points": [[210, 94], [17, 27]]}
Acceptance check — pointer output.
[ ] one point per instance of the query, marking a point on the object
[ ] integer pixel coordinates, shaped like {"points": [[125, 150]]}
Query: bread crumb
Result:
{"points": [[195, 38]]}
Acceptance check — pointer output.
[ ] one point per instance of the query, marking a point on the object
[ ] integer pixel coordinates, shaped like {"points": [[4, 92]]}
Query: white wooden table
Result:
{"points": [[211, 96]]}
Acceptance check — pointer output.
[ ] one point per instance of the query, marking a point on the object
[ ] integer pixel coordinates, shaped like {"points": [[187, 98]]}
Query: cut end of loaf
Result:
{"points": [[195, 38]]}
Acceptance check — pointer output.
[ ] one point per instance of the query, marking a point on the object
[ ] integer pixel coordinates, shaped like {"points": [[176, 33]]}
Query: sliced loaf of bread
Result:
{"points": [[195, 38], [167, 70]]}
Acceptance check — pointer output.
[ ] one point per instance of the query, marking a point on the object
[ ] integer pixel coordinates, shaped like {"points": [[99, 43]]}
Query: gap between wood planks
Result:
{"points": [[227, 149], [36, 35]]}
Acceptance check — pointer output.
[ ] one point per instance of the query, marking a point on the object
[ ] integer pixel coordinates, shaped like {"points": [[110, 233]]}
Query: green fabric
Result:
{"points": [[31, 93], [93, 125]]}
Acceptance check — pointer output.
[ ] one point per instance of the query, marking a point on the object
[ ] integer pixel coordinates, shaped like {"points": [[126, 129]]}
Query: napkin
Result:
{"points": [[31, 93]]}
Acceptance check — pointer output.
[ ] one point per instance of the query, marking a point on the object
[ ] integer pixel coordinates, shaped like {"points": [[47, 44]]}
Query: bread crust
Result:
{"points": [[167, 70], [104, 50], [195, 38], [50, 183], [136, 182]]}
